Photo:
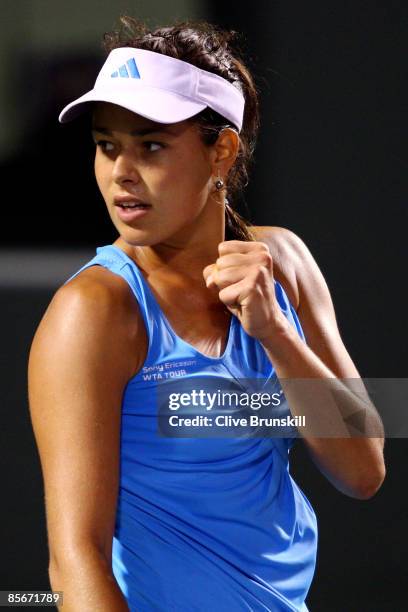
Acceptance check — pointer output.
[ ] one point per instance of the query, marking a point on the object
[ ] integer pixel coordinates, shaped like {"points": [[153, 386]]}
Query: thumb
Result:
{"points": [[208, 274]]}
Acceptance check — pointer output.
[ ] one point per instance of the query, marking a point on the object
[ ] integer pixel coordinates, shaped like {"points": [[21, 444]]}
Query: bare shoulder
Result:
{"points": [[99, 283], [91, 323], [285, 247], [98, 305]]}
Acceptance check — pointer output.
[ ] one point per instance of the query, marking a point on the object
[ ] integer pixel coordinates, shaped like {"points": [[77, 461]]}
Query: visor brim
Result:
{"points": [[158, 105]]}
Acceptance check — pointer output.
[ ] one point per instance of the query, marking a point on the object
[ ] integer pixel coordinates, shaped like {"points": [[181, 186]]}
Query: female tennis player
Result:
{"points": [[140, 520]]}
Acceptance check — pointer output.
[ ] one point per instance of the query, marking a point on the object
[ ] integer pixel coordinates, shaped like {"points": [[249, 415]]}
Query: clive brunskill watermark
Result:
{"points": [[223, 420]]}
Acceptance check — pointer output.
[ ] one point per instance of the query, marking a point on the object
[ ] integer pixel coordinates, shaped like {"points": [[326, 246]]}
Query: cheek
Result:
{"points": [[163, 182], [188, 174]]}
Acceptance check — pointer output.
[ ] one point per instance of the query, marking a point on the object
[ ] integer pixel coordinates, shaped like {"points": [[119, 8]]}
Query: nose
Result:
{"points": [[125, 169]]}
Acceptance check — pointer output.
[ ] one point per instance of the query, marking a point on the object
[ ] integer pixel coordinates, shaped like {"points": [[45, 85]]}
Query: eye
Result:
{"points": [[152, 146], [105, 145]]}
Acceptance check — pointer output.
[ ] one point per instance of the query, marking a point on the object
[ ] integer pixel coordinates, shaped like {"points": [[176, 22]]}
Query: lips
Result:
{"points": [[129, 202], [130, 208]]}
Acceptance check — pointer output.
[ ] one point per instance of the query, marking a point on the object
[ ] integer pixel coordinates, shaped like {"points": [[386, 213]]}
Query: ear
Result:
{"points": [[224, 151]]}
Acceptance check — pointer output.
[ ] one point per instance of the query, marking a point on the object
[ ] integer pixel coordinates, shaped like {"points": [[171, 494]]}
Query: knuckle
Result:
{"points": [[261, 247], [260, 274], [222, 247], [265, 257]]}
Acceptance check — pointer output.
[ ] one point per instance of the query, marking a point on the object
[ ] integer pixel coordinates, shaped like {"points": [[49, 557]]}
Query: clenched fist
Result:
{"points": [[243, 274]]}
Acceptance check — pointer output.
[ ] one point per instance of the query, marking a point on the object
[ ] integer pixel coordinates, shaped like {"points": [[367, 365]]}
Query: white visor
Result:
{"points": [[160, 88]]}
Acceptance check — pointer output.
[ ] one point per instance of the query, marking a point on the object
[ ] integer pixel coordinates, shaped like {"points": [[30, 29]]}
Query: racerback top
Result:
{"points": [[204, 524]]}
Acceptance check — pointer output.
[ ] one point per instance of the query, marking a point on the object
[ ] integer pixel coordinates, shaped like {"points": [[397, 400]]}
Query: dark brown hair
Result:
{"points": [[210, 48]]}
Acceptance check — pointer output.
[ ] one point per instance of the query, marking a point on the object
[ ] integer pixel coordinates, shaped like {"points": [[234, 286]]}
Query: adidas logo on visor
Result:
{"points": [[128, 70]]}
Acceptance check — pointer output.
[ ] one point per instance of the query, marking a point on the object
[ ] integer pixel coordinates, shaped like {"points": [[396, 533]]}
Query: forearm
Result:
{"points": [[343, 431], [87, 583]]}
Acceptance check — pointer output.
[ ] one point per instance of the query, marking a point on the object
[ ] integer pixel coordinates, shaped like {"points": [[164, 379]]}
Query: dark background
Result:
{"points": [[331, 165]]}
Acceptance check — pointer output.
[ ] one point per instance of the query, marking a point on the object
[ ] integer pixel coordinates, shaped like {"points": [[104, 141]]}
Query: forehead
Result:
{"points": [[116, 118]]}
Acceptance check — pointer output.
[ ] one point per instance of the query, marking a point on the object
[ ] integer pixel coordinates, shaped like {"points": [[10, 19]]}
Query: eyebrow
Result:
{"points": [[140, 132]]}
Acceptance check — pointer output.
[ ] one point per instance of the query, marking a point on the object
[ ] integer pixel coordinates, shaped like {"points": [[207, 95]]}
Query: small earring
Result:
{"points": [[219, 183]]}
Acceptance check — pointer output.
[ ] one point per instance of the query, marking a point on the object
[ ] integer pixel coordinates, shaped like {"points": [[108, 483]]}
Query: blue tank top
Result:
{"points": [[204, 524]]}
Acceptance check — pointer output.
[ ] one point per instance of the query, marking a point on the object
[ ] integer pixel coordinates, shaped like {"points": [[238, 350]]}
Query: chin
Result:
{"points": [[138, 237], [154, 233]]}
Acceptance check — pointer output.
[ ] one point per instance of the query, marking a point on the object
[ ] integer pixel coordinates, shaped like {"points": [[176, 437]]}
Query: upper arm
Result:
{"points": [[301, 277], [78, 368], [316, 312]]}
